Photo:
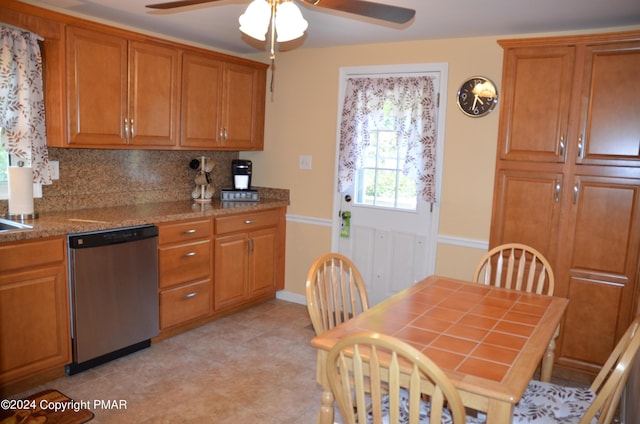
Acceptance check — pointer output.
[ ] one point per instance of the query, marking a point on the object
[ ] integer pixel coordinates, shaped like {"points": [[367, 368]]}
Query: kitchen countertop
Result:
{"points": [[81, 220]]}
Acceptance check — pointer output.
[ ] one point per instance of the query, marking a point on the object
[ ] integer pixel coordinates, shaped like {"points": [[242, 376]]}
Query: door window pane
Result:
{"points": [[380, 181]]}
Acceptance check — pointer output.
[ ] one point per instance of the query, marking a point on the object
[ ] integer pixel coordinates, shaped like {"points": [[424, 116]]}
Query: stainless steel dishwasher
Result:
{"points": [[113, 281]]}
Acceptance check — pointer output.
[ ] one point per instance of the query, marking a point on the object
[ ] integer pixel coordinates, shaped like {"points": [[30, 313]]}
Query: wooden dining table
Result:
{"points": [[488, 340]]}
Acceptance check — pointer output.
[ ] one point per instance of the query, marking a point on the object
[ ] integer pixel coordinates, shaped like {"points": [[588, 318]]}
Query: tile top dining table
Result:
{"points": [[488, 340]]}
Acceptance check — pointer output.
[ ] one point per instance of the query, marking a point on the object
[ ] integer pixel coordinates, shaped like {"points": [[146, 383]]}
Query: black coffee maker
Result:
{"points": [[241, 174]]}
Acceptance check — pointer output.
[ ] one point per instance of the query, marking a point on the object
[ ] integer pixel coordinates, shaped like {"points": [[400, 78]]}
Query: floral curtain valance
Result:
{"points": [[413, 114], [22, 114]]}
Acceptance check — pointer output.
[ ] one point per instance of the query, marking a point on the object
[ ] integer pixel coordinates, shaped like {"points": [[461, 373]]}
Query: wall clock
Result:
{"points": [[477, 96]]}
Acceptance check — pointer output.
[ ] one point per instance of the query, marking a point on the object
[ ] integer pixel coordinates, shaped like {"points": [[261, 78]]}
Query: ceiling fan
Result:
{"points": [[285, 22], [385, 12]]}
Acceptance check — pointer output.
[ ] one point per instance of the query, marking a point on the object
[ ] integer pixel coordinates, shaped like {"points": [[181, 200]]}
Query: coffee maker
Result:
{"points": [[241, 191], [241, 174]]}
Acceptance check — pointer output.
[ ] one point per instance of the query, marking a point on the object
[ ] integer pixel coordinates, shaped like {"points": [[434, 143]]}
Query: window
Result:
{"points": [[380, 181]]}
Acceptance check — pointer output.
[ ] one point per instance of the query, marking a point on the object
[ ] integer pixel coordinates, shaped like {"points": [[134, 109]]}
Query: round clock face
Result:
{"points": [[477, 96]]}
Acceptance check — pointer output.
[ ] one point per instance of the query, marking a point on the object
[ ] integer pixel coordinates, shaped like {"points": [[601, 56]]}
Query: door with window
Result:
{"points": [[384, 221]]}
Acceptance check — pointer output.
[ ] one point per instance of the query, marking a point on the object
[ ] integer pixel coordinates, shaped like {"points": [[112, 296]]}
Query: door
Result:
{"points": [[243, 107], [201, 100], [536, 100], [609, 124], [526, 209], [97, 86], [153, 95], [230, 275], [262, 261], [391, 233], [600, 265]]}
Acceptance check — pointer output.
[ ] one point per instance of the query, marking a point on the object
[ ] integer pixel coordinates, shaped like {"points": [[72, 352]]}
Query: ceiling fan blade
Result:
{"points": [[385, 12], [179, 3]]}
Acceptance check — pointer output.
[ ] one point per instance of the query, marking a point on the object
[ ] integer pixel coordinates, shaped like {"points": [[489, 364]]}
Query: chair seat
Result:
{"points": [[425, 411], [550, 403]]}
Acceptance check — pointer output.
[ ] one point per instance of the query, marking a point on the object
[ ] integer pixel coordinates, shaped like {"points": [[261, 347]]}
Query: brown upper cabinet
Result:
{"points": [[222, 104], [568, 180], [120, 92]]}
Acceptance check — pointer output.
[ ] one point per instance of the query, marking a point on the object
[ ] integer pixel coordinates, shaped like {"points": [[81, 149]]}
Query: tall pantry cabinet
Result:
{"points": [[568, 179]]}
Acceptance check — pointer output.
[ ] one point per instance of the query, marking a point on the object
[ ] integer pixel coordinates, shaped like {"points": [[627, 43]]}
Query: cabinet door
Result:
{"points": [[201, 101], [243, 107], [536, 97], [262, 261], [610, 113], [153, 94], [601, 253], [231, 272], [34, 322], [97, 87], [526, 209]]}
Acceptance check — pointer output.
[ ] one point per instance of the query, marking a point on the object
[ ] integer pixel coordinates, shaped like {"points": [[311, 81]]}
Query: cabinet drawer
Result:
{"points": [[183, 231], [184, 303], [31, 254], [247, 221], [183, 263]]}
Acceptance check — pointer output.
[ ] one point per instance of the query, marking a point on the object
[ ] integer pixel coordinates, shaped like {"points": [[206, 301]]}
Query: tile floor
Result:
{"points": [[256, 366]]}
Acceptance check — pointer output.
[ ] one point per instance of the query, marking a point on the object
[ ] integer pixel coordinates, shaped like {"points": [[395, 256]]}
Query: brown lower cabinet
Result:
{"points": [[215, 265], [184, 261], [34, 309], [246, 257], [568, 180]]}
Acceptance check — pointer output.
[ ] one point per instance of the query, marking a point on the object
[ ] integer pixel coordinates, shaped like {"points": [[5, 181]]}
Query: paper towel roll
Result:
{"points": [[20, 190]]}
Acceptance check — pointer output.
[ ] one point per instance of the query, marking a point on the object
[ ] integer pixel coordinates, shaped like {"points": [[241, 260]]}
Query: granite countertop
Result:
{"points": [[77, 221]]}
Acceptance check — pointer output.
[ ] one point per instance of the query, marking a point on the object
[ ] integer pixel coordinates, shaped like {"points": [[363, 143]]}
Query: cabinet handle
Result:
{"points": [[576, 189], [225, 134], [187, 255], [562, 145], [249, 221], [190, 295], [133, 133], [557, 197], [189, 231], [126, 128], [580, 147]]}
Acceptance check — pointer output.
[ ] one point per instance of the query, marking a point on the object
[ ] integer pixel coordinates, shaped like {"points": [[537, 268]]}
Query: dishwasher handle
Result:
{"points": [[111, 236]]}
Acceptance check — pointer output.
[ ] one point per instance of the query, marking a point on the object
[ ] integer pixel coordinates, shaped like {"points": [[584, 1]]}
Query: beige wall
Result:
{"points": [[301, 119]]}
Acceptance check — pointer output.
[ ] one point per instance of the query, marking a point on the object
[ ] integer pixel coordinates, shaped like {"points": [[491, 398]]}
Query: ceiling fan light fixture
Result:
{"points": [[255, 20], [289, 22]]}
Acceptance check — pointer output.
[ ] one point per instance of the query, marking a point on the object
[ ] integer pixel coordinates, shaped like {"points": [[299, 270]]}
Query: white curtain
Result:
{"points": [[22, 100], [413, 116]]}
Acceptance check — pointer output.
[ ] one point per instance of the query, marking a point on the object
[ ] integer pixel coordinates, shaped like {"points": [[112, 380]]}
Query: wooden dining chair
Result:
{"points": [[516, 266], [335, 292], [546, 402], [364, 372]]}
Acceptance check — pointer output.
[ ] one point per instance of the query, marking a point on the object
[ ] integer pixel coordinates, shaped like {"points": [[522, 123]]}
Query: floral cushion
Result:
{"points": [[425, 410], [544, 403]]}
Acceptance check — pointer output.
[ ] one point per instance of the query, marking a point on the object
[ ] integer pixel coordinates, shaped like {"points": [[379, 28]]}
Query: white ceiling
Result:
{"points": [[216, 24]]}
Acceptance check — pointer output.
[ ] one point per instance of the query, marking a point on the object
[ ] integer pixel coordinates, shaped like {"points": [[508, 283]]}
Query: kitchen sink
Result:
{"points": [[7, 225]]}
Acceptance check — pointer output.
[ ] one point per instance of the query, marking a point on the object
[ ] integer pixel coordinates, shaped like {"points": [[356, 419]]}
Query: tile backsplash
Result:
{"points": [[101, 178]]}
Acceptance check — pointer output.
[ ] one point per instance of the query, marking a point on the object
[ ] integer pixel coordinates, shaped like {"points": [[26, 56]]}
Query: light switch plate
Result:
{"points": [[54, 168], [305, 162]]}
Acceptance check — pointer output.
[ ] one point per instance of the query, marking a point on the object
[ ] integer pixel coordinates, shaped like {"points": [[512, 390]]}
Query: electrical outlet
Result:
{"points": [[305, 162], [54, 168]]}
